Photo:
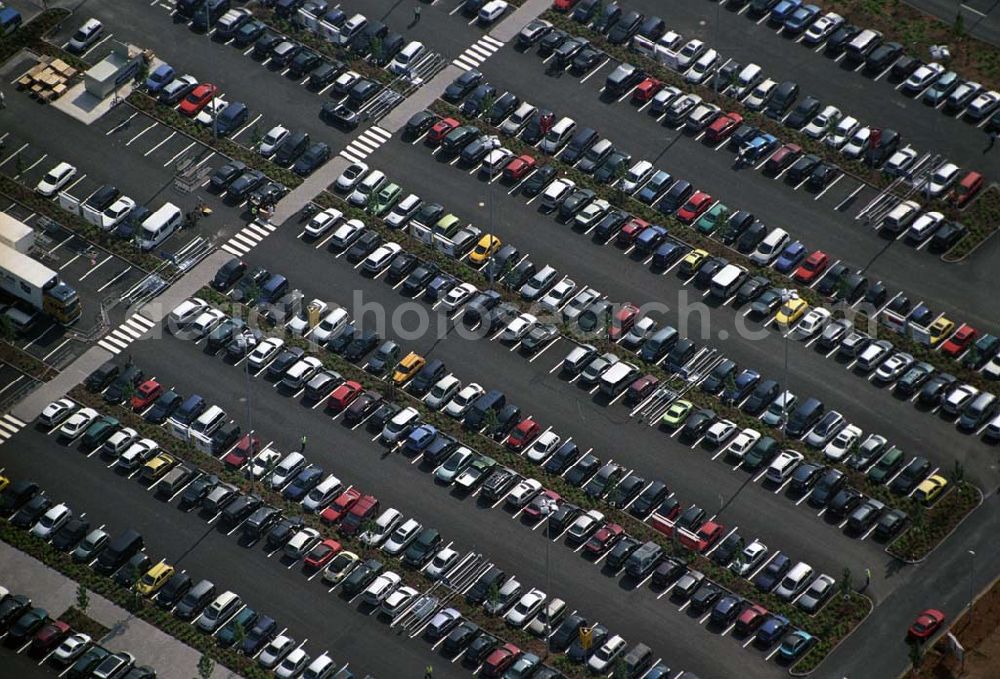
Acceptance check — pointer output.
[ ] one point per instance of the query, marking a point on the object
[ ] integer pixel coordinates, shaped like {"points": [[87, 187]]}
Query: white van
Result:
{"points": [[407, 56], [727, 281], [796, 581], [617, 378], [219, 611], [323, 494], [352, 28], [747, 79], [368, 186], [770, 247], [286, 469], [901, 216], [558, 136], [331, 325], [386, 522], [159, 226], [208, 422]]}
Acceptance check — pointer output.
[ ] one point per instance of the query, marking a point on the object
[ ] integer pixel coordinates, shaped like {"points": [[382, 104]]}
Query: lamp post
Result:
{"points": [[786, 295], [247, 334], [972, 575]]}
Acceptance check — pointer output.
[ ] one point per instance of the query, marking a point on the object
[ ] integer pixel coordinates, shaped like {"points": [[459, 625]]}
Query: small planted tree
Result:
{"points": [[205, 666], [846, 583], [82, 599]]}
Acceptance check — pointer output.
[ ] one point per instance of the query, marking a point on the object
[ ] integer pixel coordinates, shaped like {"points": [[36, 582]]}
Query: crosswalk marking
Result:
{"points": [[9, 425], [366, 144], [134, 327], [249, 237], [478, 52]]}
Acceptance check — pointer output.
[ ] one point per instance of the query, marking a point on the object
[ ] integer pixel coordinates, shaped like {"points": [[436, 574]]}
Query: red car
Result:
{"points": [[145, 394], [344, 395], [242, 453], [960, 341], [811, 267], [339, 508], [518, 168], [49, 636], [523, 434], [926, 624], [547, 497], [707, 535], [320, 555], [694, 208], [631, 230], [723, 126], [646, 90], [782, 158], [966, 188], [563, 5], [198, 99], [623, 321], [604, 539], [500, 660], [441, 129], [750, 619], [641, 388]]}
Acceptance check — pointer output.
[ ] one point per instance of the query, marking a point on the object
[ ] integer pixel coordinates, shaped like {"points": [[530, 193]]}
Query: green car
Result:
{"points": [[87, 662], [886, 466], [711, 219], [676, 413], [244, 620], [99, 431], [448, 225], [387, 198]]}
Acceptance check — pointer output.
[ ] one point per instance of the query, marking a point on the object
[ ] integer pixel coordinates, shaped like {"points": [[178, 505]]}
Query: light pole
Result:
{"points": [[972, 575], [786, 296], [247, 333]]}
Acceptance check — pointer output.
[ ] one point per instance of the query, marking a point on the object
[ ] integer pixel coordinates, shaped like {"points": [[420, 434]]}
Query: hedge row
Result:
{"points": [[982, 220], [827, 625], [929, 529], [32, 34]]}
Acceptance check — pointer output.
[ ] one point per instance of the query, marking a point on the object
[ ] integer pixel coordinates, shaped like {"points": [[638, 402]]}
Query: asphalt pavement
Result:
{"points": [[980, 16]]}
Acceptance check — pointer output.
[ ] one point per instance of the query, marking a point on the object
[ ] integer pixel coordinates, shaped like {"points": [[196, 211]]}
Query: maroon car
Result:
{"points": [[782, 158], [49, 636]]}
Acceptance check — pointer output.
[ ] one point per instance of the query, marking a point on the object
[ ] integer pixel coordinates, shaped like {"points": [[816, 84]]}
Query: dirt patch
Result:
{"points": [[81, 622], [979, 634]]}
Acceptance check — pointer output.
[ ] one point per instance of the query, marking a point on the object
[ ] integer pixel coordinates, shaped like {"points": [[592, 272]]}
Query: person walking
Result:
{"points": [[302, 444], [416, 14], [3, 101], [868, 577], [992, 142], [428, 672]]}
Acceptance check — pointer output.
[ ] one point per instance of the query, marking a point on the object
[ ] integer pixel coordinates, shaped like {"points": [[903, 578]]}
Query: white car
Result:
{"points": [[523, 493], [591, 213], [379, 260], [272, 140], [720, 432], [760, 95], [459, 295], [210, 113], [748, 560], [636, 176], [186, 311], [606, 655], [346, 80], [923, 226], [55, 179], [543, 446], [495, 161], [821, 29], [347, 233], [492, 11], [442, 392], [942, 179], [351, 176], [71, 648], [85, 36], [519, 118], [463, 400], [265, 351], [958, 398], [140, 452], [858, 142], [275, 651], [56, 412], [456, 463], [743, 442], [381, 588], [689, 54], [822, 122], [323, 222], [665, 97], [403, 210], [407, 57], [900, 162], [703, 67], [584, 525], [206, 322], [842, 132], [843, 443], [301, 372], [402, 537], [813, 322], [300, 544], [557, 192], [78, 423], [992, 369], [120, 442], [293, 664], [526, 608], [116, 213], [519, 327], [51, 521], [442, 562], [320, 668], [394, 604], [983, 105], [558, 294], [263, 462], [923, 77]]}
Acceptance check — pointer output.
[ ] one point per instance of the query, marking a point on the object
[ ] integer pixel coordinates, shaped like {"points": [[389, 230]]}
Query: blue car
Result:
{"points": [[650, 239], [800, 18], [790, 257], [794, 644], [771, 630], [420, 438], [159, 78], [668, 253], [783, 10], [661, 671], [656, 185], [758, 148], [741, 386]]}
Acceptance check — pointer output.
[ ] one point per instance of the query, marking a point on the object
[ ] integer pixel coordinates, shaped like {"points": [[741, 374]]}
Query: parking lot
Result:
{"points": [[143, 158]]}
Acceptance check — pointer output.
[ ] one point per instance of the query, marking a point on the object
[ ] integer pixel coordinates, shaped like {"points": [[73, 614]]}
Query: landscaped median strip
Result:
{"points": [[828, 625], [981, 220], [26, 363]]}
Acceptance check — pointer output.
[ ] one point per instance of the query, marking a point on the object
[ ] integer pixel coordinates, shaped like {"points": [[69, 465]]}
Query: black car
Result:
{"points": [[716, 379], [705, 597], [539, 180], [838, 40], [32, 510], [586, 467], [947, 236], [882, 57], [802, 168], [314, 156], [198, 490], [502, 107], [473, 104], [174, 589], [605, 478], [367, 243], [462, 85], [563, 518], [419, 123], [339, 114], [619, 554], [361, 345], [626, 491], [102, 376], [16, 495], [913, 473], [362, 576], [124, 384], [844, 502], [805, 476], [650, 498], [304, 481], [228, 274], [828, 485], [67, 537], [245, 184], [324, 74], [698, 423], [538, 126], [822, 175], [831, 279], [728, 549], [499, 482], [401, 266], [587, 58], [567, 632], [265, 44], [772, 574], [460, 637], [284, 361], [418, 279], [163, 407], [551, 41], [479, 648], [303, 62], [249, 32], [611, 167], [804, 111], [890, 524]]}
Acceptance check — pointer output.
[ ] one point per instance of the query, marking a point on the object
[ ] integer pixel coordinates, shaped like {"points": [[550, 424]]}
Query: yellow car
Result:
{"points": [[408, 367], [791, 311], [692, 261], [930, 489], [155, 578], [4, 482], [158, 466], [485, 248], [941, 329]]}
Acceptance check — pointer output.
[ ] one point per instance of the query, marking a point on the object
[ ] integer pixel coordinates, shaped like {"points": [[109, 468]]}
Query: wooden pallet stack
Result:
{"points": [[47, 81]]}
